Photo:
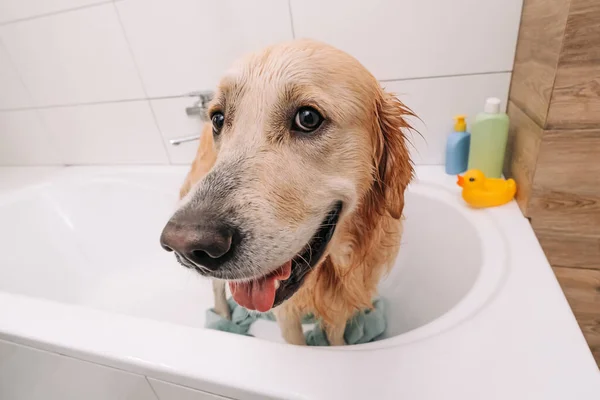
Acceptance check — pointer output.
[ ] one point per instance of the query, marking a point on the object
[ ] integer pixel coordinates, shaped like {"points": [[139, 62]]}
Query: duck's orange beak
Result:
{"points": [[461, 181]]}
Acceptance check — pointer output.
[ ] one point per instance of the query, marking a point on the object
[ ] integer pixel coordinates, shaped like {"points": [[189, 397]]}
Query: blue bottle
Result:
{"points": [[457, 147]]}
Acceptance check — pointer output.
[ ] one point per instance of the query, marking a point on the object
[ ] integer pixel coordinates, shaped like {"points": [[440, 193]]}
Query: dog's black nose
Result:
{"points": [[208, 244]]}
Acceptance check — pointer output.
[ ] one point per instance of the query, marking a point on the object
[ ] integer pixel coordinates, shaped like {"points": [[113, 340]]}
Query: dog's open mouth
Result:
{"points": [[262, 294]]}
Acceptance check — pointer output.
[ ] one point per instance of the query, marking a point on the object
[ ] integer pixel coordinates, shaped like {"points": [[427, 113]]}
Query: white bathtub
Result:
{"points": [[91, 307]]}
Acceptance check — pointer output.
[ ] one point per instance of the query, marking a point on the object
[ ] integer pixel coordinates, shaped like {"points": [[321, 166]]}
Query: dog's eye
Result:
{"points": [[218, 119], [307, 119]]}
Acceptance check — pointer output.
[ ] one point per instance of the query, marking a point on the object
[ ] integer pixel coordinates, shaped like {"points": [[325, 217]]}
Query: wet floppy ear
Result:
{"points": [[392, 160]]}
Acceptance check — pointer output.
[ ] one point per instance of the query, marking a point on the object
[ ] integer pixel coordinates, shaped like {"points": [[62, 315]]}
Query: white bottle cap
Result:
{"points": [[492, 105]]}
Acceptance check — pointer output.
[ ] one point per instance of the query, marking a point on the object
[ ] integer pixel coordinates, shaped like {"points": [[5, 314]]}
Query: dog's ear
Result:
{"points": [[392, 160]]}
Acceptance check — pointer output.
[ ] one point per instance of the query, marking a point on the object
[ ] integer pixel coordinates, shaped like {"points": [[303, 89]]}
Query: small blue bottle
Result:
{"points": [[457, 147]]}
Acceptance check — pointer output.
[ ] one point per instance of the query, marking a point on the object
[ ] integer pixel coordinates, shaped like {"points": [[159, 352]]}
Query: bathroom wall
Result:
{"points": [[554, 145], [104, 82]]}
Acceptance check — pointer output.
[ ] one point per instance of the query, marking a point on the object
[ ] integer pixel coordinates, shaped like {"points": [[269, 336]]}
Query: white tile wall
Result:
{"points": [[24, 140], [31, 374], [114, 133], [12, 91], [408, 38], [437, 100], [74, 57], [185, 45], [173, 122], [18, 9], [81, 52]]}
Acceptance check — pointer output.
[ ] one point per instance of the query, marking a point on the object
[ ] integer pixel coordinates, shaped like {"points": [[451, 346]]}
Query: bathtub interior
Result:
{"points": [[94, 242]]}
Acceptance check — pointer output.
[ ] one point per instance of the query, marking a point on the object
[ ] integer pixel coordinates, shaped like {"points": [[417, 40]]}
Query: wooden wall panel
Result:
{"points": [[571, 250], [522, 152], [569, 161], [575, 99], [565, 197], [554, 145], [538, 48], [566, 212], [582, 289]]}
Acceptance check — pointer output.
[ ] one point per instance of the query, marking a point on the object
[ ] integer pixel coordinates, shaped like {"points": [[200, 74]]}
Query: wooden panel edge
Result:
{"points": [[521, 153]]}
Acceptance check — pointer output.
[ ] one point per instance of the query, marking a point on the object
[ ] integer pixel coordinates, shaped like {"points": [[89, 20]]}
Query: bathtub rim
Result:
{"points": [[20, 323], [488, 280]]}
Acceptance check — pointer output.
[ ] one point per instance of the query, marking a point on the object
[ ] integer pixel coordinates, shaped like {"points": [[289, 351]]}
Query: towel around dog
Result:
{"points": [[366, 326]]}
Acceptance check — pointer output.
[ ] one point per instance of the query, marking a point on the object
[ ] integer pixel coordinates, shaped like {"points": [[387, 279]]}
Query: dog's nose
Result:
{"points": [[208, 245]]}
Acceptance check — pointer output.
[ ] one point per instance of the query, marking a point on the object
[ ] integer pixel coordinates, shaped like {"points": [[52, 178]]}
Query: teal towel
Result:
{"points": [[366, 326]]}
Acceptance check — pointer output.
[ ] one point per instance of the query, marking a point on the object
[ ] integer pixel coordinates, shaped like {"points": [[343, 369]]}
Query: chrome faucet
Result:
{"points": [[183, 139], [199, 108]]}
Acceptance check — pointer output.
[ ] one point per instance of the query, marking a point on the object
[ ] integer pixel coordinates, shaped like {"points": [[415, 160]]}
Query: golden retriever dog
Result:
{"points": [[295, 197]]}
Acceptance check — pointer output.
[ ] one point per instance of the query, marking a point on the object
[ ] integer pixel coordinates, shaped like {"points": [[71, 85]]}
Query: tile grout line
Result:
{"points": [[151, 387], [420, 78], [58, 153], [53, 13], [12, 64], [291, 19], [177, 96], [93, 103], [142, 83]]}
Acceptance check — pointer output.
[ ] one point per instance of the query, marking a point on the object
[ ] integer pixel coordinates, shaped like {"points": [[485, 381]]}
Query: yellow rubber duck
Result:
{"points": [[479, 191]]}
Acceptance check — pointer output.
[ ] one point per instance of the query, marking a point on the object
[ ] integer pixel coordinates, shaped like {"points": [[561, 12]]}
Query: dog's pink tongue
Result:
{"points": [[259, 294]]}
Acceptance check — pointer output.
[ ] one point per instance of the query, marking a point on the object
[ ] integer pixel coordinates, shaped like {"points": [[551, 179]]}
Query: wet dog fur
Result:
{"points": [[282, 183]]}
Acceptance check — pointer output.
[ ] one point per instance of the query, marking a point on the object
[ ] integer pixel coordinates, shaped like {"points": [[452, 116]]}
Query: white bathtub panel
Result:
{"points": [[186, 45], [12, 94], [74, 57], [113, 133], [170, 391], [437, 100], [31, 374], [173, 122], [17, 9], [407, 38], [24, 140]]}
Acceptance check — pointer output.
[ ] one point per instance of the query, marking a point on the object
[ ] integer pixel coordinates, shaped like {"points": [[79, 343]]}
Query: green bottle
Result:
{"points": [[489, 134]]}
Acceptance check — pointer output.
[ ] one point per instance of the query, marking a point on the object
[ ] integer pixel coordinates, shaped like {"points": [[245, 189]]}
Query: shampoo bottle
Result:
{"points": [[489, 135], [457, 147]]}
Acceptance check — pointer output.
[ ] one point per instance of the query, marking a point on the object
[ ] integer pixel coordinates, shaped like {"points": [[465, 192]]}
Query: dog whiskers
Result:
{"points": [[304, 259], [201, 268]]}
